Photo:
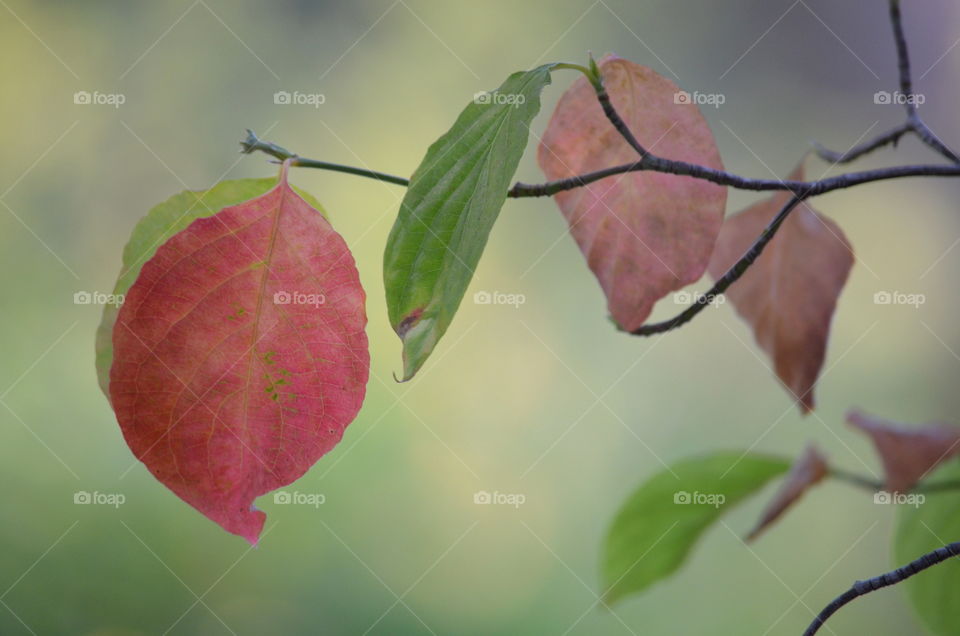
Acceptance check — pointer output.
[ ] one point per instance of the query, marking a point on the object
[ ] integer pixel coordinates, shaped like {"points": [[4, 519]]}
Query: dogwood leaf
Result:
{"points": [[239, 354]]}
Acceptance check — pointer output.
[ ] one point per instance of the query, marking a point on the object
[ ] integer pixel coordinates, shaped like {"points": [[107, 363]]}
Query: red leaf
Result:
{"points": [[789, 294], [644, 234], [908, 454], [221, 389], [807, 471]]}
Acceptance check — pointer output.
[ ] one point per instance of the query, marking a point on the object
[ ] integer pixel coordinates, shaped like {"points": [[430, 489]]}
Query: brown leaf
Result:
{"points": [[789, 294], [644, 234], [807, 470], [908, 453]]}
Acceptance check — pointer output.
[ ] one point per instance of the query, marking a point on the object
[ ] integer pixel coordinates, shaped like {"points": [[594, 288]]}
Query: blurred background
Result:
{"points": [[544, 399]]}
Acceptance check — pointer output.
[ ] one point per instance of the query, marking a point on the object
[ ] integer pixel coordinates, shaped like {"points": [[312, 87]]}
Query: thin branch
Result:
{"points": [[860, 588], [903, 56], [617, 121], [926, 135], [651, 163], [914, 120], [727, 279], [252, 143], [886, 139]]}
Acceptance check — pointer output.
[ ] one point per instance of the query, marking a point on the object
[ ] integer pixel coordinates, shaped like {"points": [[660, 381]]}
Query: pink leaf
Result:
{"points": [[240, 355], [644, 234], [908, 454], [790, 292], [807, 471]]}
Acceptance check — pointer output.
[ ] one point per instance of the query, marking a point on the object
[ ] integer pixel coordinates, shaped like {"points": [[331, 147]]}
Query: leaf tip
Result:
{"points": [[419, 336]]}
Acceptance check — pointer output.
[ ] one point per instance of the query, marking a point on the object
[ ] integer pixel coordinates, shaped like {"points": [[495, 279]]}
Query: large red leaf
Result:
{"points": [[790, 292], [240, 355], [644, 234]]}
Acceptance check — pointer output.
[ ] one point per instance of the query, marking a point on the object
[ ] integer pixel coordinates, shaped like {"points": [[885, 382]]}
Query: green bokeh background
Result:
{"points": [[546, 399]]}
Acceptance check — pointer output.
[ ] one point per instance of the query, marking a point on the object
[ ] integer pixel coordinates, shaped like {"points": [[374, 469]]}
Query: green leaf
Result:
{"points": [[153, 230], [921, 529], [661, 521], [449, 209]]}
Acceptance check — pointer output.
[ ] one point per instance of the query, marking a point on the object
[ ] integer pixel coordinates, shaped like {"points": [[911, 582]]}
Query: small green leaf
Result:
{"points": [[661, 521], [924, 527], [153, 230], [449, 209]]}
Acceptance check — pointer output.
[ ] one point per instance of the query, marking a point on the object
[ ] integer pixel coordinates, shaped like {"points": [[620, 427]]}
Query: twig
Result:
{"points": [[926, 135], [906, 88], [650, 163], [903, 56], [252, 143], [914, 123], [614, 117], [887, 138], [727, 279], [861, 588]]}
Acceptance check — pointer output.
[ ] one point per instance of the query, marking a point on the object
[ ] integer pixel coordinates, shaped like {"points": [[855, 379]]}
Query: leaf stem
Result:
{"points": [[857, 480], [875, 486]]}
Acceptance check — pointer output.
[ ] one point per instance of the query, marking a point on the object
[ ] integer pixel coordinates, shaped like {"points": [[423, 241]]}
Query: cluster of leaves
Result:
{"points": [[226, 390], [674, 508]]}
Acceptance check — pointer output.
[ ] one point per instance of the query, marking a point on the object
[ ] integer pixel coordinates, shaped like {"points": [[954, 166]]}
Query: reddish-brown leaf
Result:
{"points": [[807, 470], [908, 454], [240, 355], [644, 234], [789, 294]]}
